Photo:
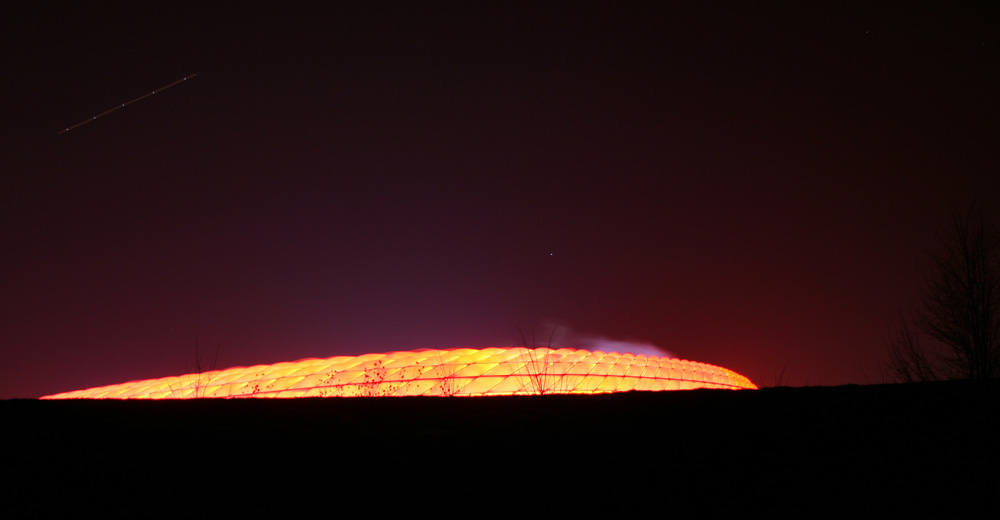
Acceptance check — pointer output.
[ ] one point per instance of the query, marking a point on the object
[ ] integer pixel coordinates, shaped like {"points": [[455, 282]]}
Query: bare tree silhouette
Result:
{"points": [[203, 372], [909, 361], [959, 311], [538, 365]]}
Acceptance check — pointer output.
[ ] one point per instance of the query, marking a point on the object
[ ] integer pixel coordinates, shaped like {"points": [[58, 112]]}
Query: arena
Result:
{"points": [[456, 372]]}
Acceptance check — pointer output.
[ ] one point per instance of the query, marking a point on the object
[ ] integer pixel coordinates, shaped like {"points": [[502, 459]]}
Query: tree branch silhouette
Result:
{"points": [[959, 311]]}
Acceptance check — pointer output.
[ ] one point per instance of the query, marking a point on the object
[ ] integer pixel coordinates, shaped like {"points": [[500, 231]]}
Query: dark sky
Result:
{"points": [[753, 187]]}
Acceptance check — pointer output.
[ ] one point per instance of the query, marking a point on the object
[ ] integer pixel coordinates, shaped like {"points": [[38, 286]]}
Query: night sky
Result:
{"points": [[752, 187]]}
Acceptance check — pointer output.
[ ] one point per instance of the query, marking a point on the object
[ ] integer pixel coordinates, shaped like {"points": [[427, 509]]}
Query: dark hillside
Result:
{"points": [[892, 447]]}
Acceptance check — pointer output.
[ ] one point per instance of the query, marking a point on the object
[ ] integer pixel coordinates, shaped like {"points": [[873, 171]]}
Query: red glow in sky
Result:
{"points": [[754, 187]]}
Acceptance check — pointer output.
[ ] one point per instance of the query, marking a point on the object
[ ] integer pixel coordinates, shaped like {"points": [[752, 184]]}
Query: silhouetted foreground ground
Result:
{"points": [[804, 450]]}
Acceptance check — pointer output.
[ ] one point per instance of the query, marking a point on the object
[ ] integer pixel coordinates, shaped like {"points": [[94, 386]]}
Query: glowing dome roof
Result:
{"points": [[462, 372]]}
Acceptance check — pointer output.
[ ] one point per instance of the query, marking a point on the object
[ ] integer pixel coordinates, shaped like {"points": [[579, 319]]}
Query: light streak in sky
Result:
{"points": [[123, 105]]}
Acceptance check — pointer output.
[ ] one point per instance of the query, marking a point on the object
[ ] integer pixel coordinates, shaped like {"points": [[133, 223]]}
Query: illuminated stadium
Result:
{"points": [[457, 372]]}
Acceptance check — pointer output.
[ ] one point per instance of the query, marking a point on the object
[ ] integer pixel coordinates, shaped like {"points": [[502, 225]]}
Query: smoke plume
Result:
{"points": [[561, 335]]}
